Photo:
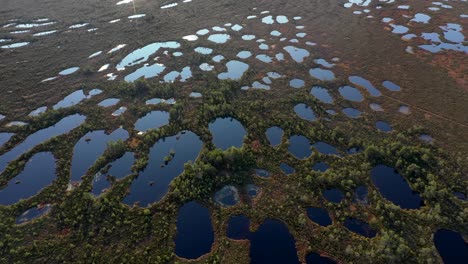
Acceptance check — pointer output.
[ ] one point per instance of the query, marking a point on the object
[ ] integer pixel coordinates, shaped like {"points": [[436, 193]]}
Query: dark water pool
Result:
{"points": [[271, 243], [227, 132], [391, 86], [383, 126], [296, 83], [70, 100], [305, 112], [359, 81], [351, 112], [252, 190], [322, 94], [63, 126], [195, 234], [109, 102], [351, 94], [90, 147], [319, 216], [38, 173], [118, 169], [320, 166], [286, 168], [394, 187], [325, 148], [153, 183], [360, 195], [321, 74], [333, 195], [152, 120], [238, 227], [274, 135], [299, 146], [460, 195], [359, 227], [4, 137], [451, 246]]}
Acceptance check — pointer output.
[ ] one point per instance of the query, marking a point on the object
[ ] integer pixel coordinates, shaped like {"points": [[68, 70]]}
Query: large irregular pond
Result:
{"points": [[271, 243], [152, 120], [142, 54], [117, 169], [90, 147], [195, 234], [297, 54], [153, 183], [75, 98], [70, 100], [38, 173], [451, 246], [227, 132], [358, 80], [238, 227], [235, 70], [4, 137], [147, 71], [63, 126], [394, 187]]}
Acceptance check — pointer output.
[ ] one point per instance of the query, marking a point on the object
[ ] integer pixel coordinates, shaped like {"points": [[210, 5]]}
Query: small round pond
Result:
{"points": [[299, 147], [227, 132], [319, 216], [274, 135]]}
